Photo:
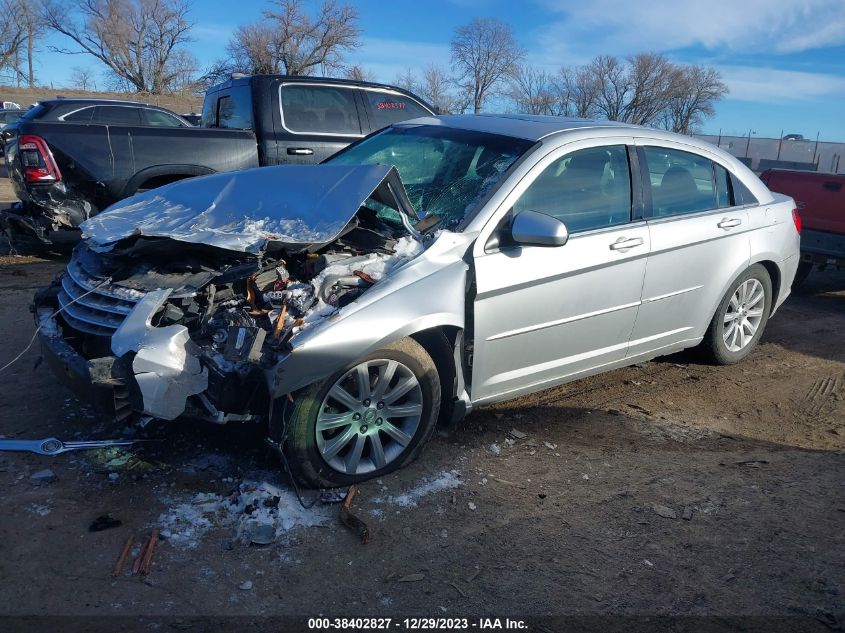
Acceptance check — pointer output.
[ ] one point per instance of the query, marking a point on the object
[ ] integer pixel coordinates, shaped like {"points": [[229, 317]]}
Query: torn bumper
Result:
{"points": [[153, 371], [104, 382]]}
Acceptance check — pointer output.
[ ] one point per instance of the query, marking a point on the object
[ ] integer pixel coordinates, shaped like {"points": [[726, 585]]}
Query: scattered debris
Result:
{"points": [[104, 522], [753, 463], [665, 512], [550, 446], [686, 515], [519, 435], [351, 521], [471, 506], [40, 510], [52, 446], [44, 476], [457, 588], [251, 503], [246, 585], [495, 449], [146, 555], [260, 533], [412, 578], [332, 496], [124, 554]]}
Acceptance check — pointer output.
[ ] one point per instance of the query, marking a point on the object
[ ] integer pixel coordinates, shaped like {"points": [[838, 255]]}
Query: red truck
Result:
{"points": [[821, 204]]}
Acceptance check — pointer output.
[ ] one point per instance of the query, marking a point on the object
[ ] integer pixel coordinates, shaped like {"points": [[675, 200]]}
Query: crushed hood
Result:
{"points": [[250, 209]]}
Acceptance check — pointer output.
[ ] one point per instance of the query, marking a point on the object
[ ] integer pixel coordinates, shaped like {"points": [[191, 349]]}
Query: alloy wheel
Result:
{"points": [[369, 416], [743, 314]]}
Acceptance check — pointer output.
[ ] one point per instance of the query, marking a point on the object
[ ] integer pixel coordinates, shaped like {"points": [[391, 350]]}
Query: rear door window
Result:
{"points": [[742, 195], [161, 119], [723, 184], [319, 109], [681, 182], [117, 115], [387, 108]]}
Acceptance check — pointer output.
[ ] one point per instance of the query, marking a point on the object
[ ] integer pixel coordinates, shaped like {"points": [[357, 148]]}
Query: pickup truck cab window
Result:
{"points": [[587, 189], [390, 107], [318, 109]]}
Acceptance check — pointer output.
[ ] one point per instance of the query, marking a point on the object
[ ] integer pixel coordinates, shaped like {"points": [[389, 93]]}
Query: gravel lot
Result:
{"points": [[670, 488]]}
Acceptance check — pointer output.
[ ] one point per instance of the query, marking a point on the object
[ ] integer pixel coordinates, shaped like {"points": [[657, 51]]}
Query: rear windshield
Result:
{"points": [[445, 171]]}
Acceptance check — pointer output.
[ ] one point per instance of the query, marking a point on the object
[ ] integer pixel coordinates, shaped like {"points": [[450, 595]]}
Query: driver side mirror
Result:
{"points": [[532, 228]]}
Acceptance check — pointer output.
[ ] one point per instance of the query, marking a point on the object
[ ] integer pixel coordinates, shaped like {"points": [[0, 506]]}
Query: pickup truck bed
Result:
{"points": [[820, 199]]}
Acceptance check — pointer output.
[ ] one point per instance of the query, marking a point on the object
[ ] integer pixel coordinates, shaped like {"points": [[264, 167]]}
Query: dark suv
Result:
{"points": [[104, 111]]}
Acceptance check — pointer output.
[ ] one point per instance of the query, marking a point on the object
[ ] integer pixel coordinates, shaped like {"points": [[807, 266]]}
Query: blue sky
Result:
{"points": [[783, 60]]}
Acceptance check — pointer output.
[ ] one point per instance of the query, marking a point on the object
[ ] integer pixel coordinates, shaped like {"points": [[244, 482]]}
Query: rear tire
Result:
{"points": [[741, 317], [339, 435]]}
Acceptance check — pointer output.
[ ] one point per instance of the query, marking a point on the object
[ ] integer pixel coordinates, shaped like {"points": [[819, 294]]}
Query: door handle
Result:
{"points": [[625, 243], [729, 223], [300, 151]]}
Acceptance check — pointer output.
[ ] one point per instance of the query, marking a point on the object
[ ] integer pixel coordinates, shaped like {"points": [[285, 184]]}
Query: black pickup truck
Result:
{"points": [[69, 159]]}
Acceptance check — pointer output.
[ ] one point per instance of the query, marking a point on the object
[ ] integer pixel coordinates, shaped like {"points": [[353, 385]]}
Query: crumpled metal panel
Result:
{"points": [[246, 210], [166, 370]]}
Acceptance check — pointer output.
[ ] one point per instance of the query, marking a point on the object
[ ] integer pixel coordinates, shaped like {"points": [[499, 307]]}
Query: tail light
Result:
{"points": [[37, 160], [796, 218]]}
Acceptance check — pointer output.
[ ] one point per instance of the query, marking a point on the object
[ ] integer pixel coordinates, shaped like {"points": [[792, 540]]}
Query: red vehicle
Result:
{"points": [[821, 203]]}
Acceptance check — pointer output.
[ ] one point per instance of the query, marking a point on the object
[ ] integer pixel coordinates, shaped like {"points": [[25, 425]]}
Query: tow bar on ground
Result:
{"points": [[52, 446]]}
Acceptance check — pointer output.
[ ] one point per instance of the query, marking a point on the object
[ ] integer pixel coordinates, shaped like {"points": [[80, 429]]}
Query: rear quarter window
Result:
{"points": [[387, 108], [117, 115], [319, 109], [742, 195]]}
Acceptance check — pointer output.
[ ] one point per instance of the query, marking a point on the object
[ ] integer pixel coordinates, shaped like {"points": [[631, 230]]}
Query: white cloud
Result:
{"points": [[625, 26], [770, 85]]}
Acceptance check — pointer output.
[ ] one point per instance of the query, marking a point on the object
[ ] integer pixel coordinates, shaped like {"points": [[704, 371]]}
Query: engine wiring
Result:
{"points": [[105, 281], [278, 447]]}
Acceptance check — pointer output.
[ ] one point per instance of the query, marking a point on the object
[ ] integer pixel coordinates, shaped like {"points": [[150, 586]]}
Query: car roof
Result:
{"points": [[526, 126], [89, 101]]}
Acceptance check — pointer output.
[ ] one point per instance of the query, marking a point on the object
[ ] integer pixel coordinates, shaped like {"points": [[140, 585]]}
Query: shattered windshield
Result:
{"points": [[446, 171]]}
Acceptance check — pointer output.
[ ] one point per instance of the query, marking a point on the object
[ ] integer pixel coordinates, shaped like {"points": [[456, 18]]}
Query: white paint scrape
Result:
{"points": [[447, 480], [252, 504]]}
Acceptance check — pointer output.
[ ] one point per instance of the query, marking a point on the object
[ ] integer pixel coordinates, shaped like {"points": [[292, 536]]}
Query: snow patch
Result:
{"points": [[251, 504], [447, 480]]}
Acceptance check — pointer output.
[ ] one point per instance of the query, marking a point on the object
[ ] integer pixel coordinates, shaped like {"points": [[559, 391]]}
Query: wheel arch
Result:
{"points": [[167, 173], [440, 343]]}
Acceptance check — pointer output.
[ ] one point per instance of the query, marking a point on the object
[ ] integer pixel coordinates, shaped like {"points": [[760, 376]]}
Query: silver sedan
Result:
{"points": [[444, 263]]}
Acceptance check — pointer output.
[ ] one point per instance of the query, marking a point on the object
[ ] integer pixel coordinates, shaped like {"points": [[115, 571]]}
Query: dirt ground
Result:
{"points": [[670, 488]]}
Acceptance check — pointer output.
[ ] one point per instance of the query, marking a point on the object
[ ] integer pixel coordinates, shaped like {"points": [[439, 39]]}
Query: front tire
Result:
{"points": [[367, 420], [741, 317]]}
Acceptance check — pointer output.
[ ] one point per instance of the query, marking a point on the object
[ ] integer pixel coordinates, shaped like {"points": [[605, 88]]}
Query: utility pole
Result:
{"points": [[815, 149], [780, 143]]}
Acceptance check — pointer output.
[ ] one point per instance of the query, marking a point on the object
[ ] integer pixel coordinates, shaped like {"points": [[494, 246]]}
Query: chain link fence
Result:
{"points": [[764, 153]]}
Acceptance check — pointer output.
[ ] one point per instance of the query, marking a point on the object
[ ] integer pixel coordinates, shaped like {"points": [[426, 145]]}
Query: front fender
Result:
{"points": [[434, 298]]}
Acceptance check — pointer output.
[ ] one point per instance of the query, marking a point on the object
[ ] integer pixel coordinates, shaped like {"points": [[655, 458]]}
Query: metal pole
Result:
{"points": [[748, 144], [780, 142], [719, 143], [815, 149]]}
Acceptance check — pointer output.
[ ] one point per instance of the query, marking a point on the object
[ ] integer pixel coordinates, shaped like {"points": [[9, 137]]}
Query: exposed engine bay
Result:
{"points": [[183, 328]]}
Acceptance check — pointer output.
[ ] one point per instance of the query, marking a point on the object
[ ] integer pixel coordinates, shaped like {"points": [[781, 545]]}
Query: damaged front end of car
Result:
{"points": [[212, 297]]}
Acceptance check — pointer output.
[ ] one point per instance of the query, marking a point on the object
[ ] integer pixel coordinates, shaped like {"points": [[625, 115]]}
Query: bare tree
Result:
{"points": [[253, 50], [406, 80], [532, 90], [612, 83], [82, 77], [484, 53], [12, 35], [32, 20], [435, 87], [137, 39], [356, 72], [650, 79], [304, 43], [695, 90]]}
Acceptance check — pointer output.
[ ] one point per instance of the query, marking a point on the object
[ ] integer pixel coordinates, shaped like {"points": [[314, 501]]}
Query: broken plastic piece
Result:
{"points": [[52, 446]]}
